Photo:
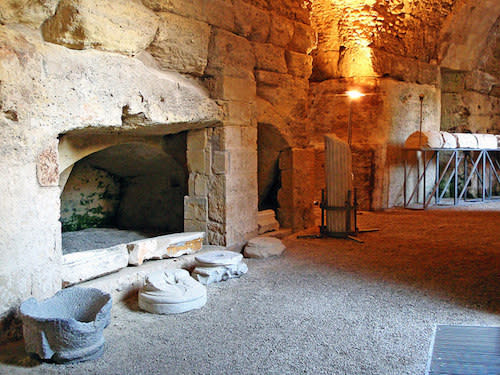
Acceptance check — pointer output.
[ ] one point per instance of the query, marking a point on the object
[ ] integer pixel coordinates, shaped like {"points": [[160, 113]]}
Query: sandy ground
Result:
{"points": [[327, 306]]}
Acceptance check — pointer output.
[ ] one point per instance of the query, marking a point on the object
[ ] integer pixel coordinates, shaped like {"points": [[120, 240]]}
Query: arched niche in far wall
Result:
{"points": [[135, 184]]}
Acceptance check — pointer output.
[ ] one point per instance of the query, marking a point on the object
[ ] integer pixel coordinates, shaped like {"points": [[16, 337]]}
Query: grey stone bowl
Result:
{"points": [[67, 327]]}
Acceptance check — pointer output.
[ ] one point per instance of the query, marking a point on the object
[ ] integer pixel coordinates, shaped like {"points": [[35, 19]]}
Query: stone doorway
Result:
{"points": [[270, 147]]}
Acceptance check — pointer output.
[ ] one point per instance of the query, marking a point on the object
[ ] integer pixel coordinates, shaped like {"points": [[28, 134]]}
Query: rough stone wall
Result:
{"points": [[110, 69], [383, 38], [253, 57], [471, 99], [90, 198], [47, 90], [389, 50]]}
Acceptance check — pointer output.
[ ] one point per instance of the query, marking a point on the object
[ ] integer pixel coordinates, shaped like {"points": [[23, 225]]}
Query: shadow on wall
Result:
{"points": [[129, 186]]}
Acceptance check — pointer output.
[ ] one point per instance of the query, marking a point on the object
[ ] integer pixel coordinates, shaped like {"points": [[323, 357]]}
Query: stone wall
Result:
{"points": [[471, 99], [47, 90], [78, 76], [388, 50], [90, 198]]}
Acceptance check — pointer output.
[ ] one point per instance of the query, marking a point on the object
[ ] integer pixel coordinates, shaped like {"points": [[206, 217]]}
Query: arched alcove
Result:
{"points": [[270, 146], [134, 186]]}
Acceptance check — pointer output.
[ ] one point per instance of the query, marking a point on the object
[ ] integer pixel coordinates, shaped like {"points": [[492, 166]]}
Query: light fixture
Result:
{"points": [[353, 95]]}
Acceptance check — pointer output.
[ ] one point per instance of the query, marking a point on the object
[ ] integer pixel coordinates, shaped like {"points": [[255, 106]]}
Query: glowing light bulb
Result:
{"points": [[353, 94]]}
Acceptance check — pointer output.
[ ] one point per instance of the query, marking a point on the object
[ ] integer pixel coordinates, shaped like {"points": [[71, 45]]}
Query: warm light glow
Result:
{"points": [[353, 94]]}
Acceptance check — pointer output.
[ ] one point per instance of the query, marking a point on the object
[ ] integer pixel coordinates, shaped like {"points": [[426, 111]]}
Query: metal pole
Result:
{"points": [[455, 190], [484, 175], [425, 176], [404, 181], [349, 125], [437, 177], [421, 97]]}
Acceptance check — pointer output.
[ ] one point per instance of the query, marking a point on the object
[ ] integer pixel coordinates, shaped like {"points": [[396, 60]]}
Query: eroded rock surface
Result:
{"points": [[105, 25], [28, 12]]}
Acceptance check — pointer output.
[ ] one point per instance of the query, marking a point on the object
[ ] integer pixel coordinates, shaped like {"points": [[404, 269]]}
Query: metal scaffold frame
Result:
{"points": [[484, 172]]}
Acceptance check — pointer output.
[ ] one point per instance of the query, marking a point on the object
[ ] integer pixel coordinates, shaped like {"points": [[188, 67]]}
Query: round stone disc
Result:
{"points": [[219, 258]]}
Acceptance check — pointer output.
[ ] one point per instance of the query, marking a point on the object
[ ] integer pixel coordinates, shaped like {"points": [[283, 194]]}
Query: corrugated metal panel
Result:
{"points": [[465, 350], [338, 166]]}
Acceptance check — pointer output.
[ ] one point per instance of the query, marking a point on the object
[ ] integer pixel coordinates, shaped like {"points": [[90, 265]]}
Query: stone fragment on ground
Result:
{"points": [[209, 275], [266, 221], [67, 327], [86, 265], [218, 258], [171, 292], [263, 247], [216, 266], [168, 246]]}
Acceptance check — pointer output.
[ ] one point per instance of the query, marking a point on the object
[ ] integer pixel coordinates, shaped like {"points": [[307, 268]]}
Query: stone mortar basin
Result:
{"points": [[67, 327]]}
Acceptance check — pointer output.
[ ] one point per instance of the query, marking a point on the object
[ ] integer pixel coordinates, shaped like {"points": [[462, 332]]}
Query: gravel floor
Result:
{"points": [[326, 306]]}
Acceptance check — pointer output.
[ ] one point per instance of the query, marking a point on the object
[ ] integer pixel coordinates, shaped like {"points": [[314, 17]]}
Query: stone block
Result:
{"points": [[198, 161], [228, 87], [140, 250], [326, 65], [239, 112], [243, 161], [32, 13], [216, 234], [269, 57], [299, 64], [465, 140], [171, 292], [196, 208], [287, 94], [221, 162], [263, 247], [428, 74], [197, 140], [187, 8], [304, 38], [251, 22], [81, 24], [479, 81], [249, 136], [216, 199], [452, 81], [195, 225], [47, 167], [67, 327], [86, 265], [219, 13], [281, 31], [229, 52], [201, 185], [266, 221], [181, 44], [218, 258]]}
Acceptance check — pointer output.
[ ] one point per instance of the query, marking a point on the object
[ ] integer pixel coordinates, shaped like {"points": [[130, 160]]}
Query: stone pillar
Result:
{"points": [[297, 195]]}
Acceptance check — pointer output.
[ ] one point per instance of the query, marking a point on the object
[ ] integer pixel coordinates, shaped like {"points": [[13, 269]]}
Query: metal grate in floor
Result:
{"points": [[465, 350]]}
